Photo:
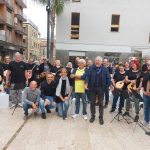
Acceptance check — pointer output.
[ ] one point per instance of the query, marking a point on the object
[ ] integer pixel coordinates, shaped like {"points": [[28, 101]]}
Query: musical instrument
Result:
{"points": [[131, 87], [119, 85]]}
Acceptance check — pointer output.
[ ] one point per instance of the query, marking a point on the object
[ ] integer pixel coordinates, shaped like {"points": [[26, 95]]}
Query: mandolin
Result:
{"points": [[119, 85], [131, 87]]}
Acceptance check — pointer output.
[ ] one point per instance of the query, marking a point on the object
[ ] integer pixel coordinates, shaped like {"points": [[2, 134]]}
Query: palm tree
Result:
{"points": [[56, 8]]}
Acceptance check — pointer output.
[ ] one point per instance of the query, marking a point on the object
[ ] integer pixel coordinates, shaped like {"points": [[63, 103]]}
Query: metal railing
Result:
{"points": [[23, 3]]}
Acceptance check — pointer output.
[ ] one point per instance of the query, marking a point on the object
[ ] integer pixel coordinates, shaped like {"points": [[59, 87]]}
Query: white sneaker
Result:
{"points": [[75, 115], [73, 99], [85, 117], [145, 123]]}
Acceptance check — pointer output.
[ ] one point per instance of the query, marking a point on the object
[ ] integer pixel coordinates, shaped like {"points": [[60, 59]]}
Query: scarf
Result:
{"points": [[58, 89]]}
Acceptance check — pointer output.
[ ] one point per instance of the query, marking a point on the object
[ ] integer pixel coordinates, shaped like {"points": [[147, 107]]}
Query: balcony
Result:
{"points": [[9, 5], [2, 19], [21, 16], [20, 30], [2, 35], [2, 2], [22, 3]]}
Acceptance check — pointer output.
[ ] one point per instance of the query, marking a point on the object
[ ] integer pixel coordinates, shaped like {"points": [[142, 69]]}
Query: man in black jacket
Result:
{"points": [[97, 80]]}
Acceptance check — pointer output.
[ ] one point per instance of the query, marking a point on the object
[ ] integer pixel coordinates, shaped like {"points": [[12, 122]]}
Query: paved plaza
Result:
{"points": [[71, 134]]}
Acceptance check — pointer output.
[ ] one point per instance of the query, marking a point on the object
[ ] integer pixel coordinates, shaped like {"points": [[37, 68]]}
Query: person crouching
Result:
{"points": [[48, 89], [31, 99], [63, 93]]}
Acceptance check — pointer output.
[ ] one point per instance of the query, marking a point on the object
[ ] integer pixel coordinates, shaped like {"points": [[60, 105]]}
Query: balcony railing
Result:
{"points": [[22, 3], [2, 35], [21, 16], [9, 4], [20, 30]]}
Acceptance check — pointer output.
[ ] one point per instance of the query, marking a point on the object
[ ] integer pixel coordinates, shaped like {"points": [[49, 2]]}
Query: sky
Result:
{"points": [[38, 15]]}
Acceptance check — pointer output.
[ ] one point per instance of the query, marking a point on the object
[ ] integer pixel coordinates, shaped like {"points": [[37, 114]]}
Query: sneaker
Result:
{"points": [[43, 115], [92, 119], [147, 133], [126, 114], [120, 111], [47, 109], [136, 118], [20, 105], [73, 99], [85, 117], [145, 123], [101, 121], [75, 116], [112, 110]]}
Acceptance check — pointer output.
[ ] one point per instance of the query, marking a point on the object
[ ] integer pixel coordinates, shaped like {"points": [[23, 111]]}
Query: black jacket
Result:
{"points": [[41, 67]]}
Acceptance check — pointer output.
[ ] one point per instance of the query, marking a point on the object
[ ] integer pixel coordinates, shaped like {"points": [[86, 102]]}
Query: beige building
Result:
{"points": [[11, 26], [43, 47], [33, 40]]}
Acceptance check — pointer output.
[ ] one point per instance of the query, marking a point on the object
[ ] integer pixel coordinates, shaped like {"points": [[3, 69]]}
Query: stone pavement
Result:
{"points": [[71, 134]]}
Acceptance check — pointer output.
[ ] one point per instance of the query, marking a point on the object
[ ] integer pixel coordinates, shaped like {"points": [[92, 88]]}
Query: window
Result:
{"points": [[115, 23], [75, 22], [9, 35], [76, 0], [9, 17]]}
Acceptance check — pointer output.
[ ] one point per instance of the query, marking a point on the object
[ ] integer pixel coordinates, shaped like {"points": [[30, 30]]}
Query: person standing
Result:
{"points": [[16, 77], [146, 94], [80, 89], [134, 79], [44, 67], [119, 92], [97, 80], [106, 93]]}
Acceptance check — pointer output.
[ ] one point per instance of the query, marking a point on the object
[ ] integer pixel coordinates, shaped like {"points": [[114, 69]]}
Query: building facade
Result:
{"points": [[11, 26], [114, 29], [33, 40], [43, 47]]}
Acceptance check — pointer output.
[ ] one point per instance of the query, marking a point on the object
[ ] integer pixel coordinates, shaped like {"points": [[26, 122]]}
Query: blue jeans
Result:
{"points": [[28, 104], [63, 108], [51, 99], [146, 108], [84, 102], [115, 99]]}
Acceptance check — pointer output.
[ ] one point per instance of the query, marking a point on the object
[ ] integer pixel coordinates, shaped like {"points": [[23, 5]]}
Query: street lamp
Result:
{"points": [[48, 29]]}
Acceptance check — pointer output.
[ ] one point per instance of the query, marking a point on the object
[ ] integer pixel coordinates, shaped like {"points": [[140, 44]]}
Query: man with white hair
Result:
{"points": [[78, 74], [16, 76], [97, 79]]}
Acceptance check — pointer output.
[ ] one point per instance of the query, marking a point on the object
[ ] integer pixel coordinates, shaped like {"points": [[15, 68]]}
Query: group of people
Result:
{"points": [[48, 86]]}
